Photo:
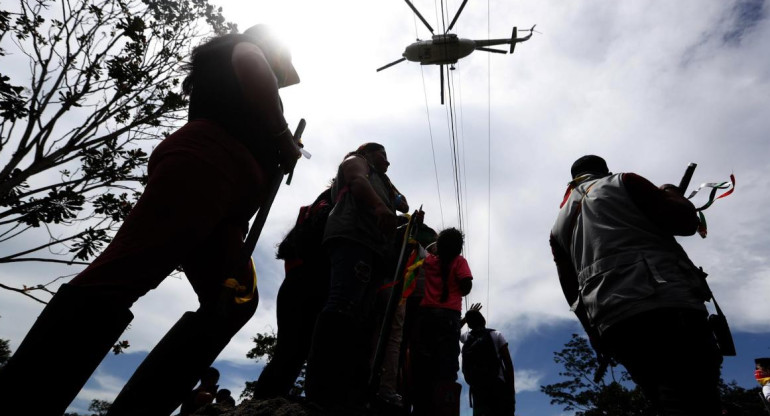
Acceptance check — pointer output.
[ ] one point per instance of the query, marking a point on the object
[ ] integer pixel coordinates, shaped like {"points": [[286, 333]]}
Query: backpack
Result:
{"points": [[305, 238], [481, 363]]}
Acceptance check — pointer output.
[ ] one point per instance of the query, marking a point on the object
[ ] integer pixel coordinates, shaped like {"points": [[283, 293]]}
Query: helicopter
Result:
{"points": [[447, 48]]}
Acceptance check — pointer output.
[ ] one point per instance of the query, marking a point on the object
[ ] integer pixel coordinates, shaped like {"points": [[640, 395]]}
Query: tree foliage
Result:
{"points": [[264, 348], [579, 392], [5, 352], [612, 397], [739, 401], [97, 407], [86, 87]]}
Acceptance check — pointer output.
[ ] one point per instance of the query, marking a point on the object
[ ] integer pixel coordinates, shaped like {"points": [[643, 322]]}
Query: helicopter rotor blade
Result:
{"points": [[442, 83], [391, 64], [492, 50], [414, 9], [454, 20]]}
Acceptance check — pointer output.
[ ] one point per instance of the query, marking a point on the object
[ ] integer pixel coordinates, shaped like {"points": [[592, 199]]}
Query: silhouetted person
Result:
{"points": [[203, 394], [762, 374], [224, 397], [411, 330], [204, 183], [390, 389], [358, 238], [487, 367], [447, 279], [632, 286], [301, 297]]}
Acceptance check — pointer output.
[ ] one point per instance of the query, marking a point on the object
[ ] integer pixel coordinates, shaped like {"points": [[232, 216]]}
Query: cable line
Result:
{"points": [[430, 132], [489, 166]]}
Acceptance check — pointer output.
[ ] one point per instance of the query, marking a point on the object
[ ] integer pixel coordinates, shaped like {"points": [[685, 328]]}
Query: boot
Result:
{"points": [[70, 338], [172, 369]]}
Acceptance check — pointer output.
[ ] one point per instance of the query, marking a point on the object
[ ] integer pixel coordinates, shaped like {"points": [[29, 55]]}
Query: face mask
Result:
{"points": [[762, 376]]}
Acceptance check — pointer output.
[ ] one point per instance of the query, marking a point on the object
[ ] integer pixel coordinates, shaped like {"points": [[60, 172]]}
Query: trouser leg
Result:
{"points": [[436, 361], [338, 366], [174, 366], [671, 354], [300, 300], [390, 365], [65, 345], [411, 333]]}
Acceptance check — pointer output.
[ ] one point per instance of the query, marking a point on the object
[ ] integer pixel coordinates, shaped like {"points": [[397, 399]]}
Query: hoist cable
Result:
{"points": [[489, 167], [430, 132]]}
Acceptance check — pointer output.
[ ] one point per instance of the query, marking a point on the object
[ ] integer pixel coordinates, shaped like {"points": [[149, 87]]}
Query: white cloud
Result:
{"points": [[527, 380], [103, 387]]}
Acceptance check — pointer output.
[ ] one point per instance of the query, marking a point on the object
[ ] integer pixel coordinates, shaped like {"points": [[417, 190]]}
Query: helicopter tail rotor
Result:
{"points": [[391, 64], [513, 39]]}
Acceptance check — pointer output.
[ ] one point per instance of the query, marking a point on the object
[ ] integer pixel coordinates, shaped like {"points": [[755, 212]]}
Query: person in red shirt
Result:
{"points": [[447, 279]]}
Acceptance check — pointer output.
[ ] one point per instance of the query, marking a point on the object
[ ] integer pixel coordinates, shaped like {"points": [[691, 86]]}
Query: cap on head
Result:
{"points": [[589, 164], [370, 147], [277, 54]]}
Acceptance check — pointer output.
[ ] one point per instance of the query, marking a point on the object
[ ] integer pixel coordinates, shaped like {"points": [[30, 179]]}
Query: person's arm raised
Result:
{"points": [[355, 170]]}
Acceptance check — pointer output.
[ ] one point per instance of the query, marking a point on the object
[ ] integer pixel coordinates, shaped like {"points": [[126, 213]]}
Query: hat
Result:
{"points": [[589, 164], [278, 55]]}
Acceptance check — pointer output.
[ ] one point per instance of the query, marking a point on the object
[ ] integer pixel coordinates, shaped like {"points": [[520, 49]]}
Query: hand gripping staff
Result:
{"points": [[718, 321], [234, 291], [715, 186]]}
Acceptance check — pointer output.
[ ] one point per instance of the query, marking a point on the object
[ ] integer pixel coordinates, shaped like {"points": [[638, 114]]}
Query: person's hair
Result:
{"points": [[589, 164], [216, 94], [425, 235], [764, 362], [475, 319], [211, 83], [353, 153], [210, 373], [370, 147], [449, 245], [223, 394]]}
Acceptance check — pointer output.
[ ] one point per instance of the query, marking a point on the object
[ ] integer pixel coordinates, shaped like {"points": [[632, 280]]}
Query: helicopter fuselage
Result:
{"points": [[442, 49]]}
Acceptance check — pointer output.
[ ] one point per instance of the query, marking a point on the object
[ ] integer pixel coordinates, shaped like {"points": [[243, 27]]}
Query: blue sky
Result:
{"points": [[650, 85], [533, 359]]}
